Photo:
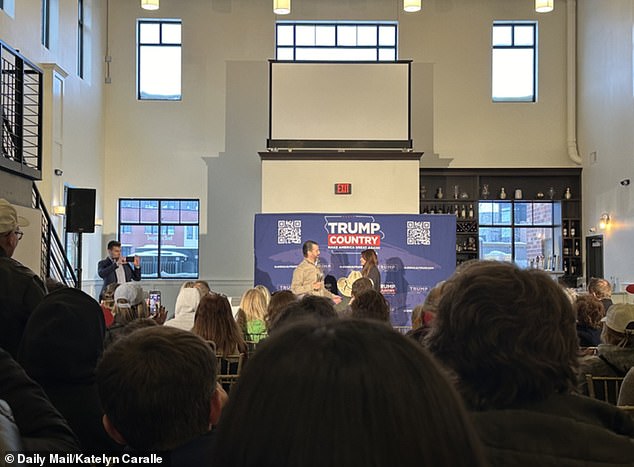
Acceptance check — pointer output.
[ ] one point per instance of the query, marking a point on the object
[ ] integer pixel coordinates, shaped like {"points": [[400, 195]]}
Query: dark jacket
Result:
{"points": [[41, 426], [375, 276], [106, 268], [21, 290], [62, 343], [588, 336], [563, 431]]}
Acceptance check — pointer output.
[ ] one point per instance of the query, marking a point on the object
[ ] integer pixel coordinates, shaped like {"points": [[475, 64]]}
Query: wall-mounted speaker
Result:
{"points": [[80, 210]]}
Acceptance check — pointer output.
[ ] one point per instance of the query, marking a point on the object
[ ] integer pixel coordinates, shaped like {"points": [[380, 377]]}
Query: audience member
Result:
{"points": [[40, 427], [359, 286], [214, 322], [129, 303], [107, 303], [252, 315], [158, 392], [21, 290], [279, 300], [53, 284], [347, 401], [63, 340], [508, 336], [310, 308], [423, 315], [265, 292], [370, 304], [186, 285], [203, 287], [117, 331], [186, 305], [601, 289], [626, 395], [589, 313]]}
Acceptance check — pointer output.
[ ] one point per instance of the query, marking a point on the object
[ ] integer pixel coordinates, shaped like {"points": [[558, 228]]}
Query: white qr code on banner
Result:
{"points": [[289, 232], [418, 233]]}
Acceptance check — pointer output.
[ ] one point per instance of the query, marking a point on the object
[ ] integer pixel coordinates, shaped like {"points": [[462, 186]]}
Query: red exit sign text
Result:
{"points": [[343, 188]]}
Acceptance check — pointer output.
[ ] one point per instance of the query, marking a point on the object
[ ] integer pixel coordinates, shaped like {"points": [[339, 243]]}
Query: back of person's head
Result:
{"points": [[253, 304], [129, 303], [157, 388], [187, 285], [618, 328], [355, 393], [360, 285], [311, 307], [187, 302], [600, 288], [118, 331], [108, 294], [508, 334], [589, 311], [279, 300], [214, 322], [428, 309], [202, 286], [265, 292], [370, 305]]}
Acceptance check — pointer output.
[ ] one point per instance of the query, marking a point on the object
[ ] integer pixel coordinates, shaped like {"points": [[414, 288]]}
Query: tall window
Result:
{"points": [[46, 23], [521, 231], [345, 41], [514, 62], [159, 59], [80, 38], [163, 233]]}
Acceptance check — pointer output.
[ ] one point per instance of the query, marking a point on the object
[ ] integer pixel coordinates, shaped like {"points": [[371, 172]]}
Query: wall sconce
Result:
{"points": [[411, 6], [604, 221], [59, 210], [281, 7], [544, 6], [150, 4], [99, 222]]}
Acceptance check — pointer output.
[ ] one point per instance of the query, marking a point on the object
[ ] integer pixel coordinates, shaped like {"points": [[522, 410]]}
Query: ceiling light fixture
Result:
{"points": [[150, 4], [544, 6], [412, 6], [281, 7]]}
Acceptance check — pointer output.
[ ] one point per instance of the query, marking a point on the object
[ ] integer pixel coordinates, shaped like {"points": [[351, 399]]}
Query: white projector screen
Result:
{"points": [[322, 104]]}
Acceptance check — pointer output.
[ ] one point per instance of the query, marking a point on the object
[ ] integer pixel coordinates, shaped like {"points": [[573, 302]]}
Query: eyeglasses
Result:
{"points": [[19, 234]]}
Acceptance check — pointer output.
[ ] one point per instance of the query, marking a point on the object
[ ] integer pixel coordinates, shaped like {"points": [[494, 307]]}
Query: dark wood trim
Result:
{"points": [[340, 156]]}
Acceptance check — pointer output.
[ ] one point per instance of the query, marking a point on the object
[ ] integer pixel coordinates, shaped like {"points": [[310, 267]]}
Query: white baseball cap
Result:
{"points": [[9, 219]]}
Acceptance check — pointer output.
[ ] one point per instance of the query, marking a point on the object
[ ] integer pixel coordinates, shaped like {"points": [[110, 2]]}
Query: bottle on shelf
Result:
{"points": [[471, 211], [463, 212], [456, 211], [564, 231], [572, 231]]}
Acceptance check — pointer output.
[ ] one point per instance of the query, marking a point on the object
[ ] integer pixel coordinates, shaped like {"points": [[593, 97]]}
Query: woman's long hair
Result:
{"points": [[214, 322], [371, 260], [253, 304]]}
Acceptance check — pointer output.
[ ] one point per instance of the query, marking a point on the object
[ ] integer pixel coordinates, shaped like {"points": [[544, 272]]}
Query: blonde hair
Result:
{"points": [[264, 291], [253, 304]]}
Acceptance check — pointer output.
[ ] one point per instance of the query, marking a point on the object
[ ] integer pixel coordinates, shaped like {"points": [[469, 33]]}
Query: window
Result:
{"points": [[514, 62], [46, 23], [80, 38], [163, 233], [159, 59], [343, 41], [521, 231]]}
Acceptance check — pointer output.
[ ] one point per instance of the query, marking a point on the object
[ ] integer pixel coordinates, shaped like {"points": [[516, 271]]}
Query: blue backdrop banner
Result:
{"points": [[415, 251]]}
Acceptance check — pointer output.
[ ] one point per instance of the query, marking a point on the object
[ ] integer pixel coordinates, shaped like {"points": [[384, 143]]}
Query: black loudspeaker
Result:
{"points": [[80, 210]]}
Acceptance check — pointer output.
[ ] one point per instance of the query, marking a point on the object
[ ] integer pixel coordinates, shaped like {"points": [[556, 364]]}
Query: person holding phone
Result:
{"points": [[116, 268]]}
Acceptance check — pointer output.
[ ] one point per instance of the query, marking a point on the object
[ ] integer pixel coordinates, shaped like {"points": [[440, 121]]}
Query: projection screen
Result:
{"points": [[341, 104]]}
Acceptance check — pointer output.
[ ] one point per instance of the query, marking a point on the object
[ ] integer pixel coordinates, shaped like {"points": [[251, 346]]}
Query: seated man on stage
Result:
{"points": [[115, 267], [308, 277]]}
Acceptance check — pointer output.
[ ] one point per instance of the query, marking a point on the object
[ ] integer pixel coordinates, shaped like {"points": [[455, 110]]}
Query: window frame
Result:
{"points": [[160, 22], [80, 38], [513, 46], [46, 23], [157, 228]]}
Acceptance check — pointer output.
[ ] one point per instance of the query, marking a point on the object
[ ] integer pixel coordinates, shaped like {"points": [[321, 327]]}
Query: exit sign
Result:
{"points": [[343, 188]]}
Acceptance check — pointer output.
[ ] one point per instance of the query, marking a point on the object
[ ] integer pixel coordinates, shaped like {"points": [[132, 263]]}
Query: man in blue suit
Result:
{"points": [[115, 268]]}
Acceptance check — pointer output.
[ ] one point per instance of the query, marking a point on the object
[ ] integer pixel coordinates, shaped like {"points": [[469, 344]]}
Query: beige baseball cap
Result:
{"points": [[620, 317], [9, 219]]}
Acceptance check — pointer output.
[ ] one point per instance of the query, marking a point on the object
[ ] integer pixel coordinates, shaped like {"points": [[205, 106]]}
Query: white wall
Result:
{"points": [[605, 122]]}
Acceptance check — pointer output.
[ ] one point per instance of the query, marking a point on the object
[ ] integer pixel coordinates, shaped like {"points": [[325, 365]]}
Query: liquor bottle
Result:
{"points": [[471, 211], [463, 212]]}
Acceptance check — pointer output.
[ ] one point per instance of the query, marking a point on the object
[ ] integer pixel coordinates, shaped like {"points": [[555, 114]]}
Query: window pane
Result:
{"points": [[179, 254], [347, 35], [137, 241], [149, 33], [387, 55], [495, 243], [513, 74], [542, 214], [129, 211], [171, 33], [387, 35], [284, 53], [304, 35], [189, 212], [149, 211], [331, 54], [523, 214], [284, 34], [494, 213], [531, 243], [170, 211], [524, 35], [502, 35], [366, 35], [325, 35], [160, 72]]}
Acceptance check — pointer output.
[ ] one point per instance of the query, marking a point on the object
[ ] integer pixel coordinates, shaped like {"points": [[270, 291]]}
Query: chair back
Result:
{"points": [[229, 369], [605, 388], [628, 409]]}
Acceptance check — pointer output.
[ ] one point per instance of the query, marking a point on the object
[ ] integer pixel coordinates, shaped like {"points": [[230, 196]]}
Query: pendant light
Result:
{"points": [[150, 4], [544, 6], [281, 7], [411, 6]]}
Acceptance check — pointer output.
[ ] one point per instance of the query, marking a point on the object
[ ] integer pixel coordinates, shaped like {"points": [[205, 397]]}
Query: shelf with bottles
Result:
{"points": [[456, 188], [571, 247], [570, 229], [572, 267], [462, 211], [467, 245]]}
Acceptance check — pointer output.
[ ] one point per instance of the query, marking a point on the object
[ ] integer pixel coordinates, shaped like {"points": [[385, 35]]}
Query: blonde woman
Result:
{"points": [[252, 315], [264, 291]]}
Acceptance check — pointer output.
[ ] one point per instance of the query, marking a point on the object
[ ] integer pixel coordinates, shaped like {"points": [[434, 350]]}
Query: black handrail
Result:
{"points": [[54, 261]]}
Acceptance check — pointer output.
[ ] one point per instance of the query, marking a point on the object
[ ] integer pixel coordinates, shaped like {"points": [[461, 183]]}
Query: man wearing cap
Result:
{"points": [[21, 290], [115, 267], [308, 279]]}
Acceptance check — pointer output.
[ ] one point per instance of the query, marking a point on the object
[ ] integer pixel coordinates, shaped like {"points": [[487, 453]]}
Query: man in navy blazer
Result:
{"points": [[115, 268]]}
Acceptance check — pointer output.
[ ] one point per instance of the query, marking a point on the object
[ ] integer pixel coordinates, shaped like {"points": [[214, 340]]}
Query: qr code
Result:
{"points": [[418, 233], [289, 232]]}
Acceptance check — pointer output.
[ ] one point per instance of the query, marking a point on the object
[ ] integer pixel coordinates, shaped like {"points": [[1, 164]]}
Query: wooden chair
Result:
{"points": [[629, 409], [605, 388], [402, 329], [229, 369]]}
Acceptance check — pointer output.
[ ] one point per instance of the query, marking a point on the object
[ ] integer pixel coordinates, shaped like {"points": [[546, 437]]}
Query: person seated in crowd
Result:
{"points": [[508, 337], [423, 315], [214, 322], [370, 304], [310, 307], [186, 304], [130, 306], [265, 292], [28, 420], [615, 354], [252, 315], [626, 395], [158, 391], [279, 300], [346, 401], [202, 286], [589, 314], [107, 303], [121, 331], [62, 342], [602, 290]]}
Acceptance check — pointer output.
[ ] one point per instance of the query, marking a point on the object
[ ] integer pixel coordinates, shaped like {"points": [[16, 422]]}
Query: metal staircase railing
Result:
{"points": [[54, 261]]}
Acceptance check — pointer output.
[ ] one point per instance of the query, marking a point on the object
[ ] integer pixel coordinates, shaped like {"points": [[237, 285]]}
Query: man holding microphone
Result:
{"points": [[116, 268]]}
